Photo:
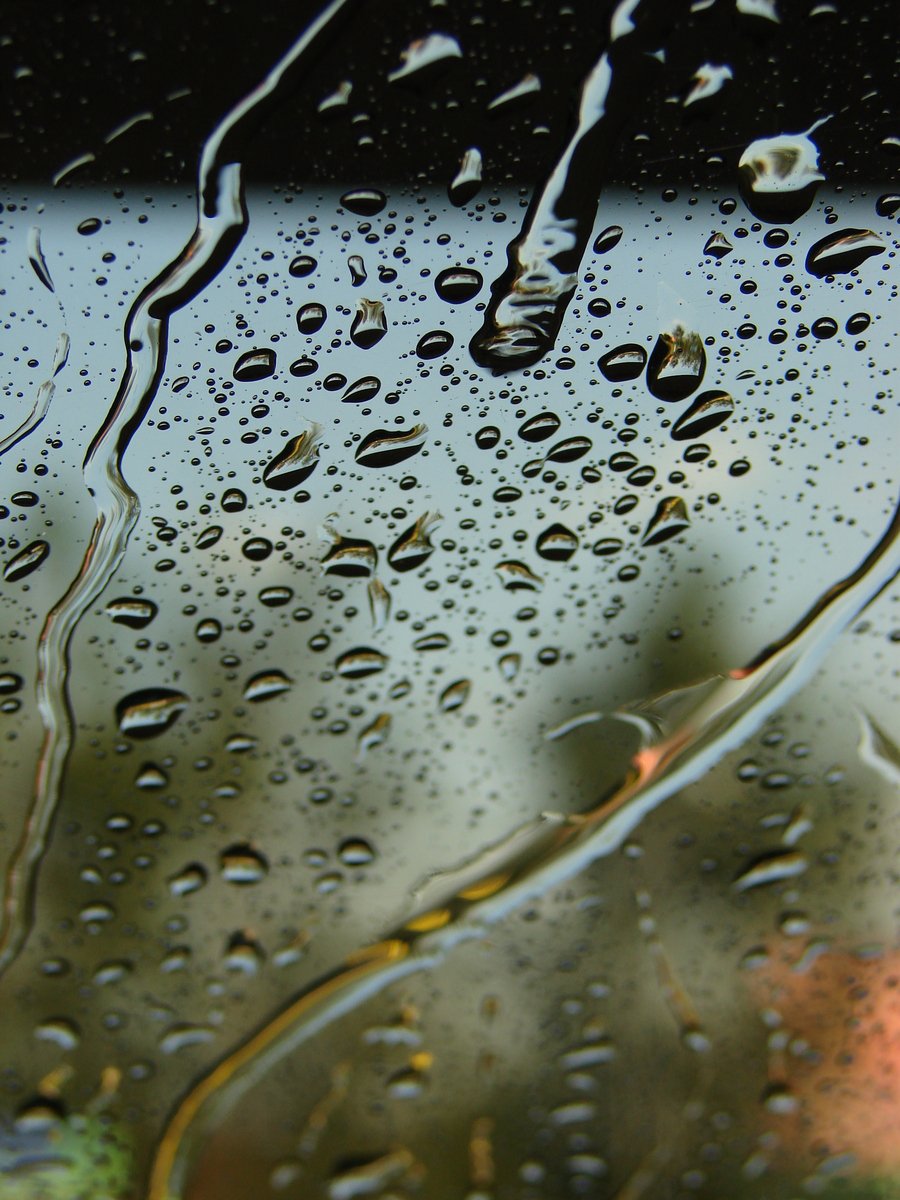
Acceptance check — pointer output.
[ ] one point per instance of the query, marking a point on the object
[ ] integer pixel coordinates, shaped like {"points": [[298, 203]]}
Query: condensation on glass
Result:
{"points": [[449, 624]]}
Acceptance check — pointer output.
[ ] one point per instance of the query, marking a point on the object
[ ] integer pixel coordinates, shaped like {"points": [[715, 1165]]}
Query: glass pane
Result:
{"points": [[448, 680]]}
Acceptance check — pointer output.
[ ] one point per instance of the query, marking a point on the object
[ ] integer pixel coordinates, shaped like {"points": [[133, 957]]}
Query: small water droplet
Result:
{"points": [[243, 864], [677, 364], [608, 239], [434, 344], [357, 269], [302, 265], [369, 324], [364, 202], [454, 695], [266, 684], [414, 545], [456, 285], [233, 500], [624, 363], [717, 246], [516, 577], [360, 662], [26, 561], [356, 852], [557, 544], [466, 183], [208, 537], [311, 317], [189, 879]]}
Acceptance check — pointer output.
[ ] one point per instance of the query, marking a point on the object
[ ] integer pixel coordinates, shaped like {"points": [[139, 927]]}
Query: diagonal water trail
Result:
{"points": [[463, 904], [42, 400], [529, 299], [221, 222]]}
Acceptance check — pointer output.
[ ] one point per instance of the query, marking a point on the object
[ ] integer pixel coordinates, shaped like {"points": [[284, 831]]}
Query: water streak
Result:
{"points": [[529, 300], [42, 400], [463, 904], [221, 222]]}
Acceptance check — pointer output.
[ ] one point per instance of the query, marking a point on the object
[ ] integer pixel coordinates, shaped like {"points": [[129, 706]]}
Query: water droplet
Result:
{"points": [[676, 365], [150, 711], [516, 577], [778, 175], [487, 437], [707, 412], [772, 867], [779, 1099], [425, 52], [337, 99], [180, 1036], [275, 596], [431, 641], [132, 611], [364, 202], [466, 183], [717, 246], [434, 344], [527, 86], [509, 665], [254, 365], [379, 604], [208, 537], [355, 852], [242, 864], [454, 695], [59, 1031], [357, 269], [311, 317], [607, 546], [599, 307], [243, 955], [858, 323], [843, 251], [739, 467], [349, 557], [362, 391], [456, 285], [266, 684], [670, 519], [608, 239], [624, 363], [557, 544], [414, 545], [302, 265], [360, 662], [824, 328], [569, 449], [888, 205], [537, 428], [622, 460], [189, 879], [150, 777], [294, 463], [369, 324], [233, 500], [9, 683], [257, 549], [301, 367], [373, 735], [708, 80], [388, 447], [26, 561]]}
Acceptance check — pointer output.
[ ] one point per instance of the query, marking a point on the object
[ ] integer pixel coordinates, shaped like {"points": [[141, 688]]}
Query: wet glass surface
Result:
{"points": [[448, 682]]}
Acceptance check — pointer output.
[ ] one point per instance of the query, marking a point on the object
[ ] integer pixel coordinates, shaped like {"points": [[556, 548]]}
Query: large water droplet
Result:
{"points": [[243, 864], [539, 427], [842, 251], [670, 519], [349, 557], [295, 462], [454, 695], [362, 391], [26, 561], [608, 239], [569, 449], [676, 365], [266, 684], [369, 324], [707, 412], [434, 344], [311, 317], [517, 577], [456, 285], [387, 447], [557, 544], [136, 612], [466, 183], [150, 711], [364, 202], [208, 537], [414, 545], [255, 364], [360, 662], [623, 363], [779, 176]]}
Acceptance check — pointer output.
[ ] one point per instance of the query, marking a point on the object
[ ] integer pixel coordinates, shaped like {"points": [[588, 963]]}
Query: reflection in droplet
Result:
{"points": [[676, 365], [136, 612], [569, 450], [707, 412], [557, 544], [456, 285], [414, 545], [516, 577], [360, 662], [150, 711], [608, 239], [434, 344], [295, 462], [388, 447], [539, 427], [254, 365], [357, 269], [208, 537], [454, 695], [670, 519], [364, 202], [362, 390], [266, 684], [369, 324], [466, 183], [242, 864], [26, 561], [311, 317], [842, 251], [623, 363]]}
